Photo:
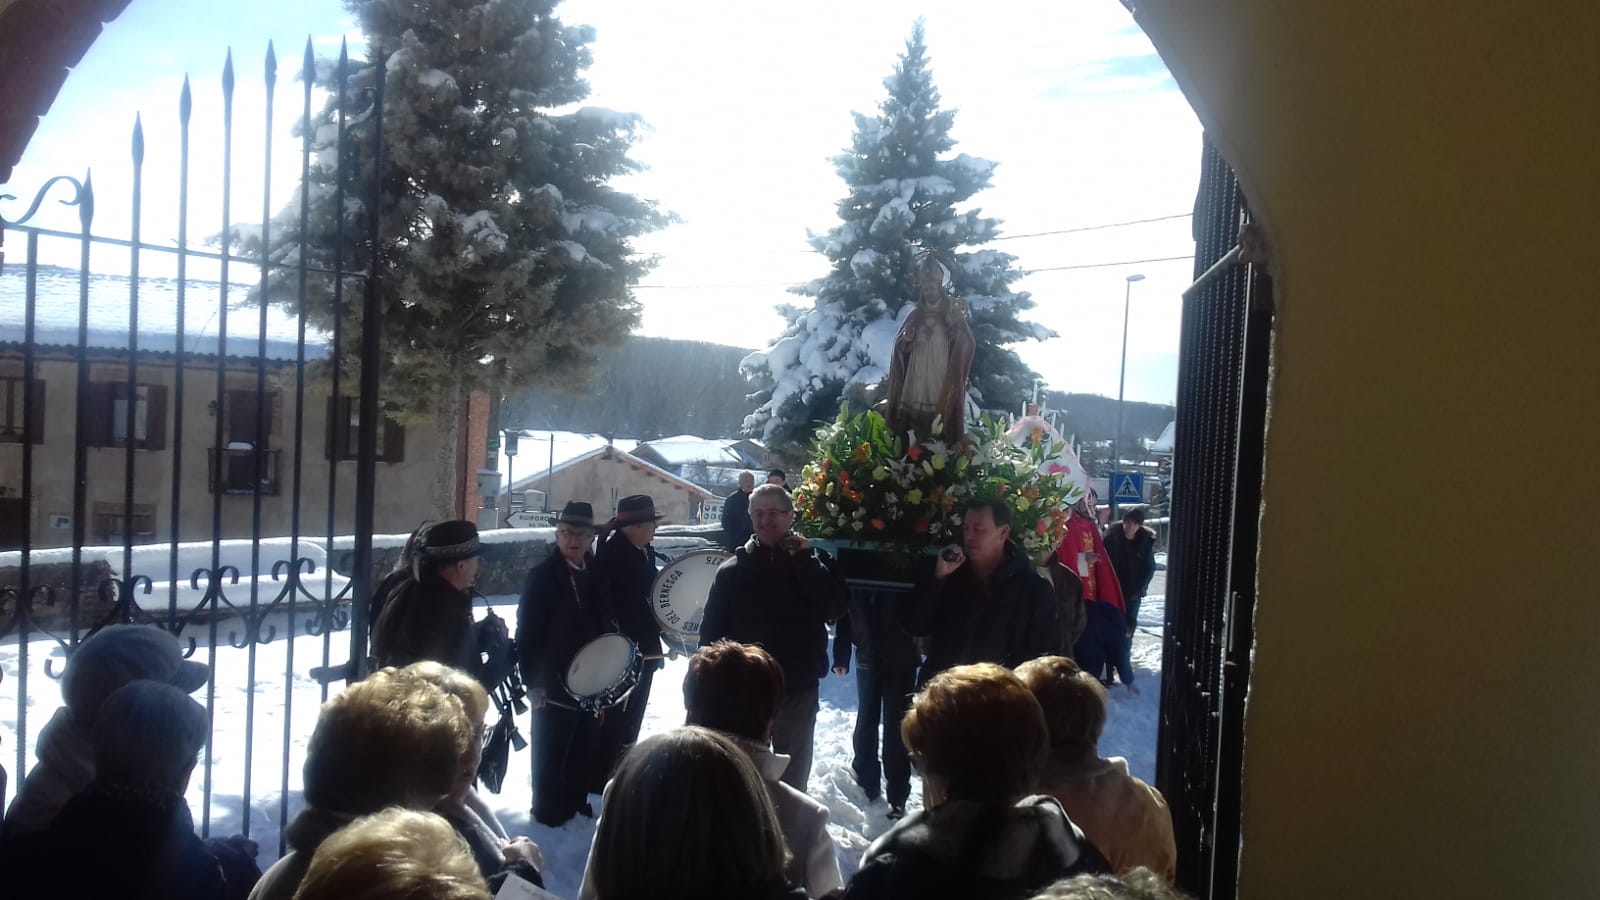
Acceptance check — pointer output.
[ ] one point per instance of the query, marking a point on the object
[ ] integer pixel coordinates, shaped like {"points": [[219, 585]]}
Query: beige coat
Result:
{"points": [[1126, 819]]}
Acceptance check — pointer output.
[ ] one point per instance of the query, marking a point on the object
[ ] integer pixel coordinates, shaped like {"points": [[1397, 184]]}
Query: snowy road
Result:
{"points": [[284, 711]]}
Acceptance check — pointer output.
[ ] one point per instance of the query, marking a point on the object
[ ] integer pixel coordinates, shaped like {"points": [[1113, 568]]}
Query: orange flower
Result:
{"points": [[878, 524], [1044, 527]]}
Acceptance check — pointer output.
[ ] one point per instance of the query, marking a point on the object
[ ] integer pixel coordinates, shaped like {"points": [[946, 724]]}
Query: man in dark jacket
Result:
{"points": [[985, 602], [559, 613], [736, 527], [429, 615], [886, 673], [624, 569], [1132, 549], [779, 593]]}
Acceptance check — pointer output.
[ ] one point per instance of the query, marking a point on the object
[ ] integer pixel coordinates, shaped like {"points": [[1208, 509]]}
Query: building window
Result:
{"points": [[108, 412], [344, 433], [112, 522], [13, 390]]}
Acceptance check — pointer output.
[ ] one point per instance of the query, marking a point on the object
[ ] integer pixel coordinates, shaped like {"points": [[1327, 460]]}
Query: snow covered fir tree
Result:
{"points": [[904, 190], [504, 257]]}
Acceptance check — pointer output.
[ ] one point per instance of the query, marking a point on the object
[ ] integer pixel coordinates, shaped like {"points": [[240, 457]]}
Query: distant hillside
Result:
{"points": [[1094, 418], [654, 387], [647, 388]]}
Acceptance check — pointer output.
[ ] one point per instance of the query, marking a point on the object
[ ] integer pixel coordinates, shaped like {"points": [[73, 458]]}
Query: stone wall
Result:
{"points": [[93, 605]]}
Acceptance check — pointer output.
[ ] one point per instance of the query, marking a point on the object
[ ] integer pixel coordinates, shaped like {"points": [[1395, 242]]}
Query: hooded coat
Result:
{"points": [[975, 850]]}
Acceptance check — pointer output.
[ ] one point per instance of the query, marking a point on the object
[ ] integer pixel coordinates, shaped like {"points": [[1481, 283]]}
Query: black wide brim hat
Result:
{"points": [[636, 509], [577, 513], [450, 541]]}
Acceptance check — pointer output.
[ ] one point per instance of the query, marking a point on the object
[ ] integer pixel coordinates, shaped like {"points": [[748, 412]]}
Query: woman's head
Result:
{"points": [[734, 688], [148, 735], [392, 740], [474, 700], [1073, 701], [664, 830], [976, 733], [394, 853]]}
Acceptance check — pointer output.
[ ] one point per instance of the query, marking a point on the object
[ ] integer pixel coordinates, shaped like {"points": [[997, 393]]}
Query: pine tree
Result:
{"points": [[504, 257], [903, 192]]}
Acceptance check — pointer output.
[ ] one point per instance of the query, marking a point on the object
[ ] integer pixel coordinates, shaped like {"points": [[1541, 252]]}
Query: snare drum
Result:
{"points": [[678, 597], [603, 672]]}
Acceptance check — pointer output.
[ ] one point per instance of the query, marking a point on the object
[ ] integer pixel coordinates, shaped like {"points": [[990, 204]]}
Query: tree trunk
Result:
{"points": [[447, 427]]}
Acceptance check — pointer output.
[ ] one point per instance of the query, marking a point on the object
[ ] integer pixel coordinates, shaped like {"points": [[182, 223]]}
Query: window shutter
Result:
{"points": [[394, 441], [97, 423], [36, 413], [155, 417]]}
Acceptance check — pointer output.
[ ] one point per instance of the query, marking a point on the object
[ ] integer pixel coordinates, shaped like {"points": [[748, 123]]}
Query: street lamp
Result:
{"points": [[1122, 380], [511, 436]]}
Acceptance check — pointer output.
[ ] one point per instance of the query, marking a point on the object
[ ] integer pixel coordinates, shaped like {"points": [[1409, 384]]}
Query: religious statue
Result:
{"points": [[931, 362]]}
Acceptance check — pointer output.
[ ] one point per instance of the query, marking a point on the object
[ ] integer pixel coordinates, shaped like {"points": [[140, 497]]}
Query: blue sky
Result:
{"points": [[746, 102]]}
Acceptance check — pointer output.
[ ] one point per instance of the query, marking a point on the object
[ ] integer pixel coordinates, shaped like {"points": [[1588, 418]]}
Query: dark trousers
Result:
{"points": [[619, 730], [563, 745], [882, 696], [1105, 644], [792, 733]]}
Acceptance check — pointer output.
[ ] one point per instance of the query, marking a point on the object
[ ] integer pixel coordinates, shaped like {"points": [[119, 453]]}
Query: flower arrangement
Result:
{"points": [[864, 484]]}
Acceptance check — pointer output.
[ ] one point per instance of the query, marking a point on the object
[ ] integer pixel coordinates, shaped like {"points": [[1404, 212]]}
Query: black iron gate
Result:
{"points": [[1216, 502], [116, 516]]}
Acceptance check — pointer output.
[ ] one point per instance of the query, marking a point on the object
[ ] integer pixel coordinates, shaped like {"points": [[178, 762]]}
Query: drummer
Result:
{"points": [[624, 569], [779, 593], [559, 613]]}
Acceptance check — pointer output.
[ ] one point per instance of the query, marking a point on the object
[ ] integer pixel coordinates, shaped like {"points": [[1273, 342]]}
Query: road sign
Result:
{"points": [[1127, 487]]}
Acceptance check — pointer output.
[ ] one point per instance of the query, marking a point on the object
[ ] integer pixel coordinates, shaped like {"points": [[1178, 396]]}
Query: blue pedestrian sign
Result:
{"points": [[1127, 487]]}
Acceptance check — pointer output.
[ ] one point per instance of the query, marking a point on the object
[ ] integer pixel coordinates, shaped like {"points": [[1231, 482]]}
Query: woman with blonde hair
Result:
{"points": [[391, 854], [392, 740], [493, 848], [687, 817]]}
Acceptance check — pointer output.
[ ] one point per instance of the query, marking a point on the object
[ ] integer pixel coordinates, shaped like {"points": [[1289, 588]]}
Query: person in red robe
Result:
{"points": [[1104, 647]]}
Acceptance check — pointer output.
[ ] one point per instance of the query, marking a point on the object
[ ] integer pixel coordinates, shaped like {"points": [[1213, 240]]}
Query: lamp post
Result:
{"points": [[511, 436], [1122, 380]]}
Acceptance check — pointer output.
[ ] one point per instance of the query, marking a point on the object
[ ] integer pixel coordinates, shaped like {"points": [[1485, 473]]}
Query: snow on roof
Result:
{"points": [[56, 314], [534, 460], [1163, 444], [621, 455], [687, 449]]}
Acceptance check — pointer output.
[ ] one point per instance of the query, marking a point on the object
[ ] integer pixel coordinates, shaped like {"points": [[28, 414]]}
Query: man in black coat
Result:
{"points": [[779, 593], [886, 674], [429, 615], [558, 614], [736, 527], [624, 570], [1132, 548], [985, 602]]}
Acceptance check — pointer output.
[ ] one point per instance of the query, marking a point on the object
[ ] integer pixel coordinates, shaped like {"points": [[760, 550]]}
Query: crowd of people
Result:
{"points": [[988, 679]]}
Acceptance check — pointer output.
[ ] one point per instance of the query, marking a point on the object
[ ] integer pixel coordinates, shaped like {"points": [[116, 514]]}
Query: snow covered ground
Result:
{"points": [[249, 775]]}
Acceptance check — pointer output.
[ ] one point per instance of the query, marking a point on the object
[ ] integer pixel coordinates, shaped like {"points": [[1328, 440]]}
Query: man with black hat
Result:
{"points": [[429, 615], [559, 613], [624, 570]]}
